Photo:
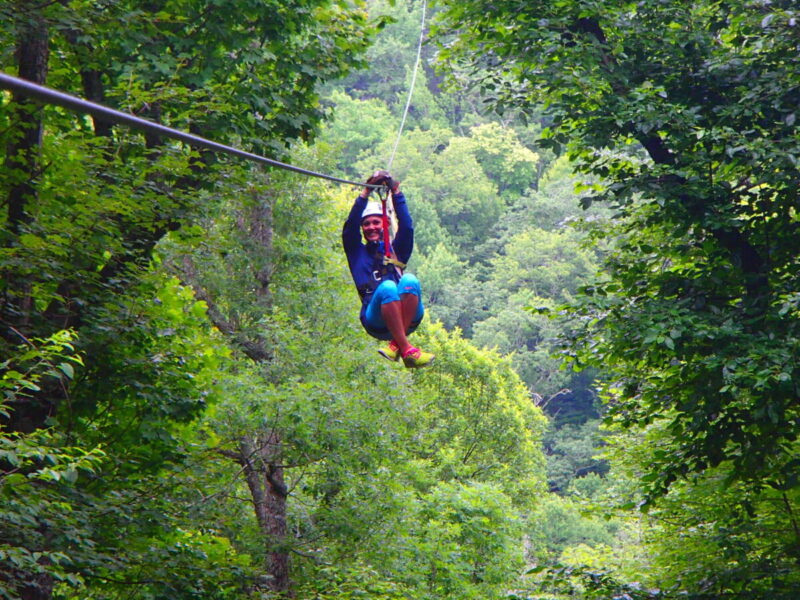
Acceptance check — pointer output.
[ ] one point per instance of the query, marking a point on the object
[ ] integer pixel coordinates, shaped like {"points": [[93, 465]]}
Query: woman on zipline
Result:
{"points": [[391, 302]]}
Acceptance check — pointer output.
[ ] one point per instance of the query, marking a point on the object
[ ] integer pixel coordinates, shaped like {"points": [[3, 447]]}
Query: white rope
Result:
{"points": [[411, 88]]}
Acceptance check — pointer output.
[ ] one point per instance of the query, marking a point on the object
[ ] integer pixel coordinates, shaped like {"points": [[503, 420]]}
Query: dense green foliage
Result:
{"points": [[683, 117], [190, 408], [107, 359]]}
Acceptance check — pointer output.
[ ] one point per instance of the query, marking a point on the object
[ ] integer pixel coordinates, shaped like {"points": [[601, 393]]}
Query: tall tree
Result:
{"points": [[181, 63], [24, 148], [678, 109], [684, 115], [78, 258]]}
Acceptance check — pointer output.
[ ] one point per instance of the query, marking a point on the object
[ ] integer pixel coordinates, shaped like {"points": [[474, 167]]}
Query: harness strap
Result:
{"points": [[387, 244], [388, 251], [390, 260]]}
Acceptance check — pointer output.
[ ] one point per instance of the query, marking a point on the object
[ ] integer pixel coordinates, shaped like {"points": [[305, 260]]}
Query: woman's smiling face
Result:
{"points": [[372, 227]]}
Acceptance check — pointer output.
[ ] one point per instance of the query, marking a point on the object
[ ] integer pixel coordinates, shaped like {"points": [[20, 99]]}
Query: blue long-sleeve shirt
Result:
{"points": [[366, 259]]}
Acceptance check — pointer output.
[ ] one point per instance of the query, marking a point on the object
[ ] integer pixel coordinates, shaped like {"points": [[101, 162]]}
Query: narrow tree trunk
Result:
{"points": [[276, 533], [264, 477], [23, 154], [260, 454], [38, 587], [93, 88], [24, 157], [260, 232], [23, 162]]}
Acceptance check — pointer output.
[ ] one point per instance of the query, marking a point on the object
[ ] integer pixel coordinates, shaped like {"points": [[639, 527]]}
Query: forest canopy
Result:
{"points": [[675, 111], [606, 213]]}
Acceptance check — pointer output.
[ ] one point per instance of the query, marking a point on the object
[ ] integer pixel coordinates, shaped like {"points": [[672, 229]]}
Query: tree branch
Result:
{"points": [[742, 252], [254, 348]]}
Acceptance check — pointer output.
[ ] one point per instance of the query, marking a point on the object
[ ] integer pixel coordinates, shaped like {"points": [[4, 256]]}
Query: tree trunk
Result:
{"points": [[277, 560], [259, 454], [264, 476], [23, 154], [93, 88], [260, 232], [23, 160], [39, 587]]}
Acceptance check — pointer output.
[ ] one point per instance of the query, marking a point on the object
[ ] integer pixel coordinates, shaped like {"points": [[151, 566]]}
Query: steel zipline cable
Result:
{"points": [[411, 87], [76, 104]]}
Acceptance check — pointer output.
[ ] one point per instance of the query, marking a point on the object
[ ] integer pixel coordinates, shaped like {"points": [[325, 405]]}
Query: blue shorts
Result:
{"points": [[389, 291]]}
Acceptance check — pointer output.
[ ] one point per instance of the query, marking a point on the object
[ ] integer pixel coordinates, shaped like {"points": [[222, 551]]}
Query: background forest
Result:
{"points": [[606, 212]]}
